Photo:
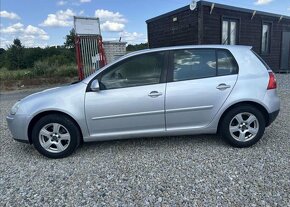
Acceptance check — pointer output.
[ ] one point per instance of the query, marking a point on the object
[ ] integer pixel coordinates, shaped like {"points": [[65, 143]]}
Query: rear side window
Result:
{"points": [[202, 63], [226, 63], [193, 64]]}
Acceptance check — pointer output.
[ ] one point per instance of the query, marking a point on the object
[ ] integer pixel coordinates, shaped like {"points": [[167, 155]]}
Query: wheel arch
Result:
{"points": [[44, 113], [249, 103]]}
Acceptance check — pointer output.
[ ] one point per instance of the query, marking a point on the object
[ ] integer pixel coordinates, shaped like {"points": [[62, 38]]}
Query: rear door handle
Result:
{"points": [[154, 94], [223, 86]]}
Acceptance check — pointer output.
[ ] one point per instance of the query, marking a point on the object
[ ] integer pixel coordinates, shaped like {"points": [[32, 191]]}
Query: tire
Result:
{"points": [[243, 126], [55, 136]]}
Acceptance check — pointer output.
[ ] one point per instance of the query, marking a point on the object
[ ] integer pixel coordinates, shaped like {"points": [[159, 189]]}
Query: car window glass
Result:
{"points": [[226, 63], [194, 64], [136, 71]]}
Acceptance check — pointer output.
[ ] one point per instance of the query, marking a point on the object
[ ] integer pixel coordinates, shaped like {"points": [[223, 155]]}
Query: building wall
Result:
{"points": [[201, 27], [114, 50], [250, 31], [166, 32]]}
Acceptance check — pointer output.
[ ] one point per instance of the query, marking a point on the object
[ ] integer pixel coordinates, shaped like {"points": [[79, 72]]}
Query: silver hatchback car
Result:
{"points": [[182, 90]]}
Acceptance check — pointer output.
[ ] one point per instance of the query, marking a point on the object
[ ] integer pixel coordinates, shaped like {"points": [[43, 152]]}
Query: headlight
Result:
{"points": [[15, 108]]}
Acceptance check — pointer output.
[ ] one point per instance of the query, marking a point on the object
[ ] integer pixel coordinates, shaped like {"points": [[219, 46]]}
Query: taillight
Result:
{"points": [[272, 81]]}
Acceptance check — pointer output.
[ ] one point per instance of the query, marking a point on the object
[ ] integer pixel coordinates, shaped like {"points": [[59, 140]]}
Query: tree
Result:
{"points": [[17, 43], [2, 57], [15, 56], [142, 46], [70, 39], [2, 51]]}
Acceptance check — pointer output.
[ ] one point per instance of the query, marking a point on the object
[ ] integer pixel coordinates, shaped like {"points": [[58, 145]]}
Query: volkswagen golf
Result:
{"points": [[182, 90]]}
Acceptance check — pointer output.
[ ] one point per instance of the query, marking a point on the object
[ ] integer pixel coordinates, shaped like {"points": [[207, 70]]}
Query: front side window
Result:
{"points": [[229, 32], [266, 38], [193, 64], [140, 70]]}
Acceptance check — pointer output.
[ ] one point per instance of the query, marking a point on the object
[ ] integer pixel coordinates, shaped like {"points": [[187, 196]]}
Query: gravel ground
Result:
{"points": [[172, 171]]}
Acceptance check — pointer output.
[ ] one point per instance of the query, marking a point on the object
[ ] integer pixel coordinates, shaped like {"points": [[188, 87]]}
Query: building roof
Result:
{"points": [[222, 6]]}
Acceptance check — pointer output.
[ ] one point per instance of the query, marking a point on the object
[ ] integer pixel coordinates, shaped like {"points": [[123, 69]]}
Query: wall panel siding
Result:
{"points": [[250, 31], [201, 27], [164, 32]]}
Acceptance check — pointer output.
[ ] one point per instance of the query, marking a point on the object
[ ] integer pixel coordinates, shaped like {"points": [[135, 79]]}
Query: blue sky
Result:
{"points": [[46, 22]]}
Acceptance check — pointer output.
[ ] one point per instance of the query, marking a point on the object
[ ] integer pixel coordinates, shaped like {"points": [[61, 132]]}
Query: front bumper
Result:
{"points": [[272, 117], [18, 127]]}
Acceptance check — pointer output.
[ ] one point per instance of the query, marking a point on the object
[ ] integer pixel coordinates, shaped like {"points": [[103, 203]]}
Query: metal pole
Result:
{"points": [[90, 55], [78, 58], [86, 54], [83, 56], [96, 53]]}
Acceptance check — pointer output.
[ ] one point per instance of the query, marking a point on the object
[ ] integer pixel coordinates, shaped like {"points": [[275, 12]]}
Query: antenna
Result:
{"points": [[192, 5]]}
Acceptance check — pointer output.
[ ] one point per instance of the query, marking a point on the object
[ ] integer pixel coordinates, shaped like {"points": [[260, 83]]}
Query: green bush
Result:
{"points": [[53, 69], [6, 74], [67, 71], [43, 68]]}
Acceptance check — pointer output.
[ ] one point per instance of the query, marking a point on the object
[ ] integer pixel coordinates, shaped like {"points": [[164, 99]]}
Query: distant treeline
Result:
{"points": [[16, 56], [142, 46]]}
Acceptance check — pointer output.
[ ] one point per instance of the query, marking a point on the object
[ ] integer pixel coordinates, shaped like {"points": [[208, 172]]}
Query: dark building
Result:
{"points": [[212, 23]]}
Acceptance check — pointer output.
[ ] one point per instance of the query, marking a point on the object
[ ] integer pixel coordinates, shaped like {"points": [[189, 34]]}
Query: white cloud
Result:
{"points": [[9, 15], [85, 1], [262, 2], [112, 26], [129, 37], [81, 12], [61, 3], [4, 43], [36, 32], [133, 37], [111, 21], [106, 15], [59, 19], [31, 36], [15, 28]]}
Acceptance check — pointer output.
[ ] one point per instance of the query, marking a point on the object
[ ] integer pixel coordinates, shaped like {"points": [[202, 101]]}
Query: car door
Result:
{"points": [[199, 82], [130, 100]]}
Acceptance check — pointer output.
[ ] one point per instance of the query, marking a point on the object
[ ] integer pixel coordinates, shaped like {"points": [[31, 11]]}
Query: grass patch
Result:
{"points": [[40, 70], [42, 74]]}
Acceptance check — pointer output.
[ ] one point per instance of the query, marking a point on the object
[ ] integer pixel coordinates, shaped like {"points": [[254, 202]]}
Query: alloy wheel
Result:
{"points": [[54, 138], [244, 127]]}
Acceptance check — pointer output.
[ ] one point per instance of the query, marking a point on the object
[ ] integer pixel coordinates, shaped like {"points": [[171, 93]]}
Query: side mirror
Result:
{"points": [[95, 86]]}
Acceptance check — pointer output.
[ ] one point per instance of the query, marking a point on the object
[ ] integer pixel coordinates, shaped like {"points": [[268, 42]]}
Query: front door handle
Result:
{"points": [[154, 94], [223, 86]]}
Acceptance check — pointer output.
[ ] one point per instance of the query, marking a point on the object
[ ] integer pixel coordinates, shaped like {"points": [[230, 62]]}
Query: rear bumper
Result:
{"points": [[272, 117]]}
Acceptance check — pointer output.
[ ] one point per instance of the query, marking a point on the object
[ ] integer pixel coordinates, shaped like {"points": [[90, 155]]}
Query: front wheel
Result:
{"points": [[243, 126], [55, 136]]}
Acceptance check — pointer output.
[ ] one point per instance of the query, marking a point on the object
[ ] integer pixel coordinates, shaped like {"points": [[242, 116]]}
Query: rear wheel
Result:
{"points": [[55, 136], [243, 126]]}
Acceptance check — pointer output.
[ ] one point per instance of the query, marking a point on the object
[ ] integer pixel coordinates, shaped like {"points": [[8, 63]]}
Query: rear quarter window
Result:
{"points": [[226, 64]]}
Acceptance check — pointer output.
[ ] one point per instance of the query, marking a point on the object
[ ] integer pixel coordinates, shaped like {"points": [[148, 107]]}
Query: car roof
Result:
{"points": [[228, 47]]}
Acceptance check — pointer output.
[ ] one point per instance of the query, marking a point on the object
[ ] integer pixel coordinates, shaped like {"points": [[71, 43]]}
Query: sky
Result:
{"points": [[41, 23]]}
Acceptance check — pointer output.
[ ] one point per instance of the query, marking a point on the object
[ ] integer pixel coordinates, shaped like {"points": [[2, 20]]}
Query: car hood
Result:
{"points": [[54, 97], [56, 93]]}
